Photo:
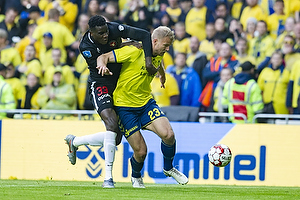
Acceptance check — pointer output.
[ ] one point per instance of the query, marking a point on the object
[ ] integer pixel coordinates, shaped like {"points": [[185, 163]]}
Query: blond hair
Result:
{"points": [[162, 32]]}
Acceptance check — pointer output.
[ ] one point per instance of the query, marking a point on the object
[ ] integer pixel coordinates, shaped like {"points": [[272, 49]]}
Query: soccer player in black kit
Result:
{"points": [[101, 38]]}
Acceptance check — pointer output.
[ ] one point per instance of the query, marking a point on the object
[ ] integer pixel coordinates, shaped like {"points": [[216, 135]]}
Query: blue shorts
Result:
{"points": [[132, 119]]}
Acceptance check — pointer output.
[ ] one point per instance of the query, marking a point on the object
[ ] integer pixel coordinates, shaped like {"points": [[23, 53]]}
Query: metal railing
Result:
{"points": [[21, 112], [275, 116], [213, 115]]}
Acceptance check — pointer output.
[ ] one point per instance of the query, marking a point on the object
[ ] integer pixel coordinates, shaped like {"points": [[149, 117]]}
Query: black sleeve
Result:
{"points": [[138, 34], [141, 35]]}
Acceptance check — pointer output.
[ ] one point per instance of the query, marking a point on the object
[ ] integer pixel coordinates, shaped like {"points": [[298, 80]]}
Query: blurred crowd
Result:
{"points": [[236, 56]]}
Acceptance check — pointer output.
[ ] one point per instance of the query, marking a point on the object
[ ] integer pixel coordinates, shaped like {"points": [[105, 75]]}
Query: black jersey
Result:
{"points": [[91, 50]]}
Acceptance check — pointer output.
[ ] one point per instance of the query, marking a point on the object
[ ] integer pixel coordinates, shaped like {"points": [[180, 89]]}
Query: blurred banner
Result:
{"points": [[263, 154]]}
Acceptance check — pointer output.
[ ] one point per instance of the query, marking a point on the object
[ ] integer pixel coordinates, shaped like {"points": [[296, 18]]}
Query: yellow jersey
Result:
{"points": [[133, 88], [195, 22], [33, 66], [10, 55], [276, 24], [62, 37], [182, 46], [162, 95], [295, 76], [262, 47], [255, 11], [273, 84]]}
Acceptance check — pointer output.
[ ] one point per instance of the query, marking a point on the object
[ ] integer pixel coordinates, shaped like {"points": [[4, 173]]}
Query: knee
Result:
{"points": [[110, 120], [169, 138], [141, 155]]}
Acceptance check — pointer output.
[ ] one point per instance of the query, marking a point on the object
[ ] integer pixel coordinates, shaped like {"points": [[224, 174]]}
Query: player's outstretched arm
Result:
{"points": [[102, 61]]}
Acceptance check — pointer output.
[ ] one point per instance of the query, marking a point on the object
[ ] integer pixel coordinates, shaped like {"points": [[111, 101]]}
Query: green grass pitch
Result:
{"points": [[56, 190]]}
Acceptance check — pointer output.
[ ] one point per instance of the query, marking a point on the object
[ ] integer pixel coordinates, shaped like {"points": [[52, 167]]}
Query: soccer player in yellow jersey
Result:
{"points": [[135, 106]]}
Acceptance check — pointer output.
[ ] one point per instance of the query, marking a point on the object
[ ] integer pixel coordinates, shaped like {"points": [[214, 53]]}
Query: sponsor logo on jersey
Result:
{"points": [[113, 43], [121, 28], [87, 54]]}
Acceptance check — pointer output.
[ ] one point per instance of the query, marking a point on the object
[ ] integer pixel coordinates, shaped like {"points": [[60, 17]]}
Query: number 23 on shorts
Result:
{"points": [[154, 113]]}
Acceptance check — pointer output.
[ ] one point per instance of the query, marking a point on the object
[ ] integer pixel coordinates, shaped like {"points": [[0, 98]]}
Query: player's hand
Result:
{"points": [[103, 70]]}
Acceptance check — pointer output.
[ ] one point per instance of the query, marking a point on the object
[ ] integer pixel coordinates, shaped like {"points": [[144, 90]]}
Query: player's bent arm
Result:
{"points": [[102, 61], [162, 75]]}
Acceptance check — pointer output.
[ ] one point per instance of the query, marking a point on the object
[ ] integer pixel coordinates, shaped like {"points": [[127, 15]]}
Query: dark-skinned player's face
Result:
{"points": [[100, 34]]}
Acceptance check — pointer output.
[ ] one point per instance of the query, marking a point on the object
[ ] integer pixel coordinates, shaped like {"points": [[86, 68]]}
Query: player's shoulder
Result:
{"points": [[115, 27]]}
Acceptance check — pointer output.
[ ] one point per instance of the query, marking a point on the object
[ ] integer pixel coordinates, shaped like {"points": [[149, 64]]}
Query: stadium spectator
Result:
{"points": [[8, 54], [237, 8], [242, 55], [174, 10], [30, 16], [194, 52], [221, 30], [66, 70], [6, 96], [182, 39], [82, 26], [262, 46], [14, 33], [81, 74], [288, 30], [242, 95], [235, 32], [252, 10], [291, 9], [62, 36], [25, 41], [57, 95], [225, 75], [207, 45], [277, 20], [293, 92], [273, 82], [297, 37], [290, 55], [251, 28], [162, 19], [188, 81], [211, 73], [186, 6], [111, 11], [68, 12], [197, 18], [167, 96], [221, 11], [15, 83], [144, 19], [92, 8], [30, 65], [32, 88], [197, 59]]}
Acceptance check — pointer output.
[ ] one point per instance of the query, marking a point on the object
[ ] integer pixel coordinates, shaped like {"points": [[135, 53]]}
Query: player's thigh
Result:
{"points": [[137, 143], [162, 128]]}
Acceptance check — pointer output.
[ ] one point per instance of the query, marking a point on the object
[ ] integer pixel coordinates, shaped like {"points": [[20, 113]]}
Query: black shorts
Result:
{"points": [[101, 95]]}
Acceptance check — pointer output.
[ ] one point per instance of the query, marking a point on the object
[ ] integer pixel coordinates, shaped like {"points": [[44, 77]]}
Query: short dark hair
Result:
{"points": [[96, 20]]}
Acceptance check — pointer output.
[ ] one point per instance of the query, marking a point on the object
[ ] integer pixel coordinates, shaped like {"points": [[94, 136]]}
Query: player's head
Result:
{"points": [[98, 29], [162, 38]]}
